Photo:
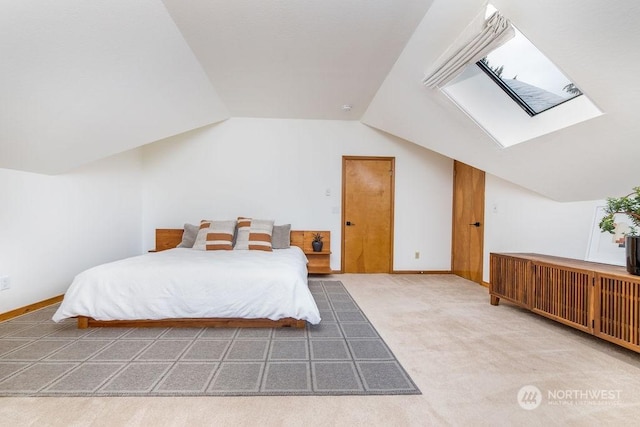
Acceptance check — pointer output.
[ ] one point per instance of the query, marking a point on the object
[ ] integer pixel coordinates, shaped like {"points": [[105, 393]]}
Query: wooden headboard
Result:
{"points": [[169, 238]]}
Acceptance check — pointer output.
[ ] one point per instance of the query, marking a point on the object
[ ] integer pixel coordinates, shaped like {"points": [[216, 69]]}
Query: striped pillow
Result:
{"points": [[260, 235], [215, 235], [242, 238]]}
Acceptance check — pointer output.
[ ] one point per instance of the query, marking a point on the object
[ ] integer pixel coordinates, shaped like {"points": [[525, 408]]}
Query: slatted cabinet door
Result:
{"points": [[510, 279], [618, 303], [564, 294]]}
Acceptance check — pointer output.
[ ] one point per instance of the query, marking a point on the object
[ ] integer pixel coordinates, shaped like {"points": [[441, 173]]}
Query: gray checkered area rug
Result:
{"points": [[343, 355]]}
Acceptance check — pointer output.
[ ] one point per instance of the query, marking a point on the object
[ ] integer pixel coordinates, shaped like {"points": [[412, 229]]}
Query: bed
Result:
{"points": [[183, 287]]}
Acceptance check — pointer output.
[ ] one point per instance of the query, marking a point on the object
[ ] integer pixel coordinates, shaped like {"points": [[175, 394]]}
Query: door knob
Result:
{"points": [[476, 224], [349, 223]]}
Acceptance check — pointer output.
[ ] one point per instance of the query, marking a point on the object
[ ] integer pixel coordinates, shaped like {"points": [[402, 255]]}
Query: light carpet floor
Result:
{"points": [[469, 359]]}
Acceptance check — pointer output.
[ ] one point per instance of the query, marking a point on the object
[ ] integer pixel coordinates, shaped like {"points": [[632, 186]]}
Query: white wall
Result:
{"points": [[53, 227], [281, 169], [519, 220]]}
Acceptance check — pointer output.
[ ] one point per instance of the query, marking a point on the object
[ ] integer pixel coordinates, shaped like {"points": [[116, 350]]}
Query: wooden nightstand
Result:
{"points": [[319, 262]]}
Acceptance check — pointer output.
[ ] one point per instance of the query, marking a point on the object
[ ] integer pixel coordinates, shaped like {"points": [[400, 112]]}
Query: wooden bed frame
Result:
{"points": [[289, 322], [168, 238]]}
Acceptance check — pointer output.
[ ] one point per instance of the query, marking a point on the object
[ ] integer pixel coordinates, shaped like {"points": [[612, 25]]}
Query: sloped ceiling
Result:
{"points": [[81, 80], [84, 80], [593, 42]]}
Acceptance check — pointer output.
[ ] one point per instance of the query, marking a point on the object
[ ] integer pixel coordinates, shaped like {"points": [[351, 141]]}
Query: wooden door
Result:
{"points": [[468, 222], [367, 214]]}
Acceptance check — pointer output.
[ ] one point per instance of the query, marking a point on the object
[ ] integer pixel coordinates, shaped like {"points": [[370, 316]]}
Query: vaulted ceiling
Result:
{"points": [[85, 80]]}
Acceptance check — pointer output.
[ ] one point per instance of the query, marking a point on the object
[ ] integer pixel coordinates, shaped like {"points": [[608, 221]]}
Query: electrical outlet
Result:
{"points": [[4, 283], [417, 256]]}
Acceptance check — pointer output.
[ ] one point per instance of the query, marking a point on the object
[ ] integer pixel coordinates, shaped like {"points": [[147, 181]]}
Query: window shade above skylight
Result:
{"points": [[479, 38]]}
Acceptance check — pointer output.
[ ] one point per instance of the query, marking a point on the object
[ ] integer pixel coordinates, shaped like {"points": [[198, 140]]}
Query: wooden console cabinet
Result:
{"points": [[600, 299], [319, 262]]}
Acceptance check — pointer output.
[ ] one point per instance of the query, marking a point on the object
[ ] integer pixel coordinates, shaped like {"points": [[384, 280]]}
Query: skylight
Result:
{"points": [[528, 76], [518, 71]]}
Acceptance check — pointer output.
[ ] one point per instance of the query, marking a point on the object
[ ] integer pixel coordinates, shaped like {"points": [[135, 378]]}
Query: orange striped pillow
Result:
{"points": [[215, 235], [260, 235], [242, 238]]}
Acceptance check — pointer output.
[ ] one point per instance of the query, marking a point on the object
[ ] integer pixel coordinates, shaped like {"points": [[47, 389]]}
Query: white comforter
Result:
{"points": [[187, 283]]}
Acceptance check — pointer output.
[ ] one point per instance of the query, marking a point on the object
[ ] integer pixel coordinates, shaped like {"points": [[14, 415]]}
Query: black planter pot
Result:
{"points": [[632, 245], [317, 246]]}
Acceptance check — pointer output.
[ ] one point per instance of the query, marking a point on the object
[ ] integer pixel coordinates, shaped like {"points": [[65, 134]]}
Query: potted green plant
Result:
{"points": [[630, 206], [316, 243]]}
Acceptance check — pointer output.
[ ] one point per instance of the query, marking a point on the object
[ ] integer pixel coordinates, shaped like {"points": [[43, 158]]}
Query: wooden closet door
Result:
{"points": [[367, 212], [468, 222]]}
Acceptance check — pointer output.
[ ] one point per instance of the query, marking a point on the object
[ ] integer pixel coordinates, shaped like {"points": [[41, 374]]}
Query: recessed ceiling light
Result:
{"points": [[347, 107]]}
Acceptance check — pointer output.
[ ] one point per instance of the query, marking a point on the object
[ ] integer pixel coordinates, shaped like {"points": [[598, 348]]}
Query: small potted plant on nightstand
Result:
{"points": [[630, 206], [316, 243]]}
